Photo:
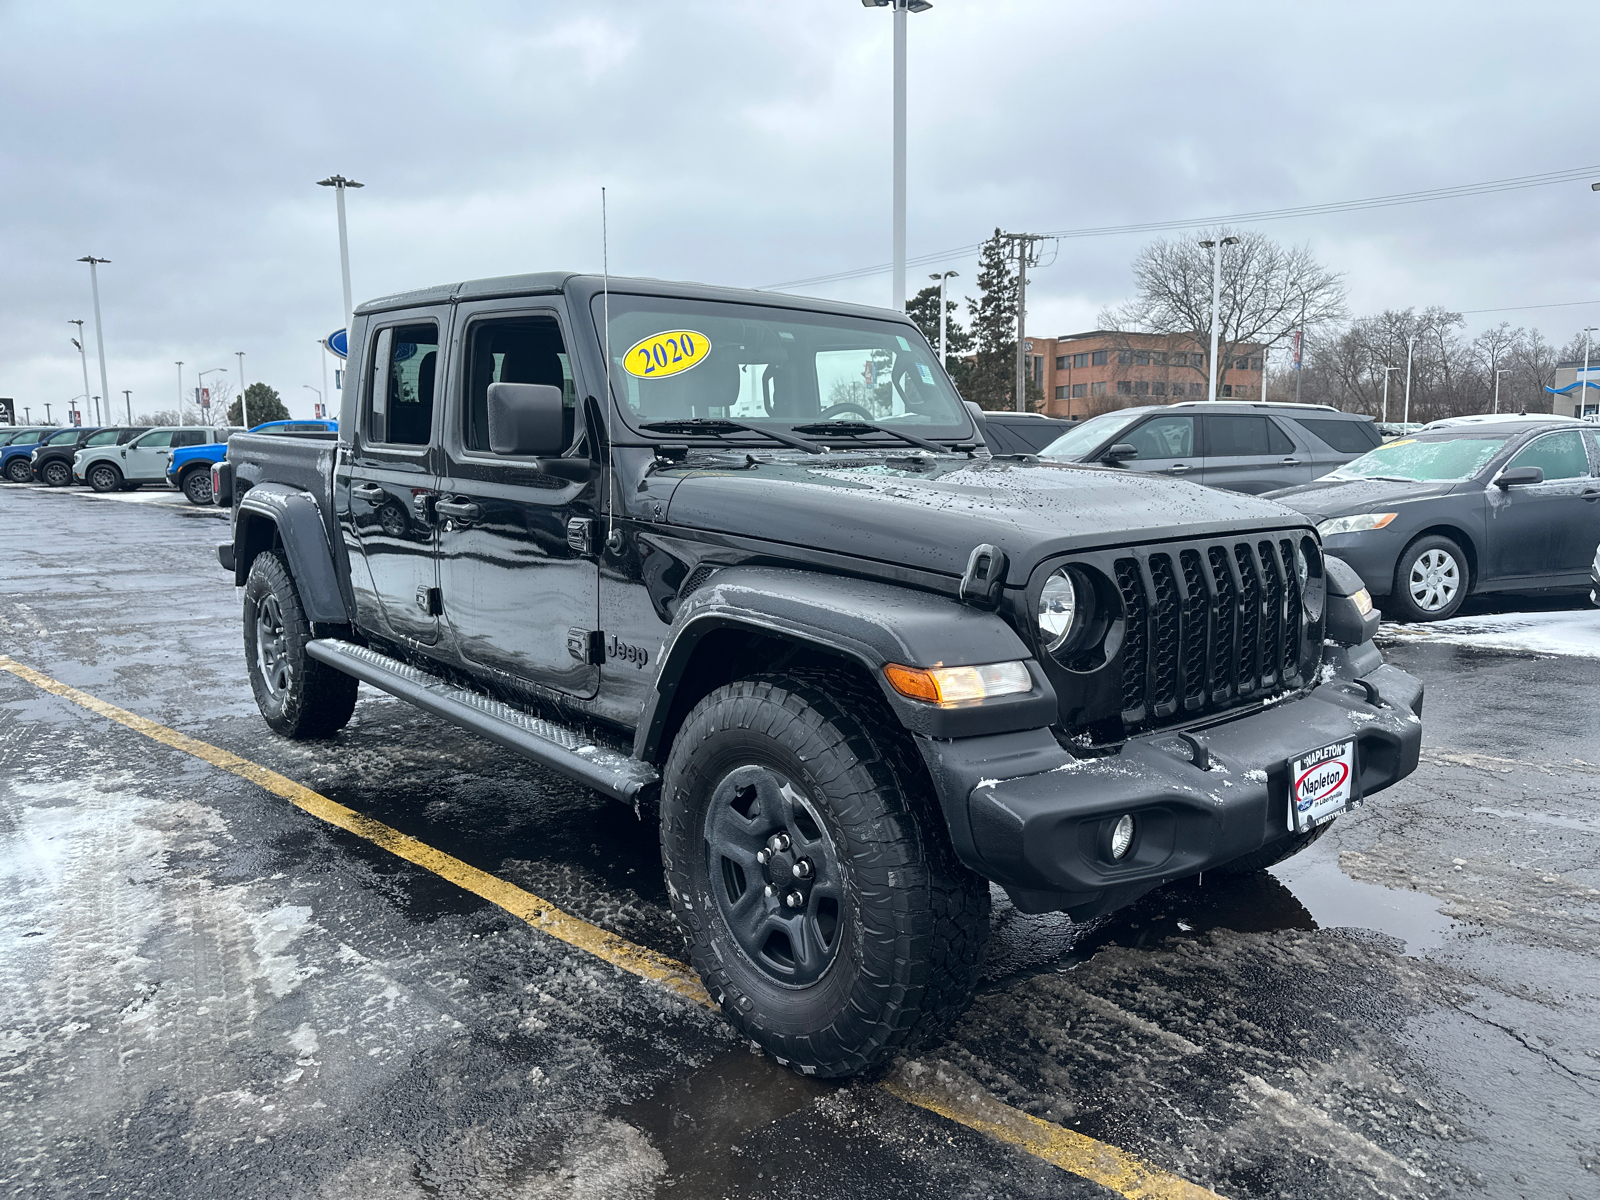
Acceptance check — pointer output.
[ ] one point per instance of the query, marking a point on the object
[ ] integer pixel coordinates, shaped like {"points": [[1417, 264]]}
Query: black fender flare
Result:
{"points": [[298, 520], [873, 624]]}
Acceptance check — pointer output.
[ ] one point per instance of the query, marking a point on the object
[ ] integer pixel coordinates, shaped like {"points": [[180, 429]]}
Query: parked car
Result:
{"points": [[189, 467], [1496, 419], [27, 433], [1394, 429], [1020, 433], [52, 464], [864, 670], [1238, 446], [1428, 520], [16, 460], [140, 461]]}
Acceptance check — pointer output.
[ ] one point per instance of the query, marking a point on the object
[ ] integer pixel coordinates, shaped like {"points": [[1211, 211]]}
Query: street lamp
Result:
{"points": [[244, 402], [317, 391], [944, 348], [180, 391], [82, 355], [323, 342], [127, 396], [1411, 345], [901, 7], [99, 329], [1386, 371], [338, 183], [1216, 301], [1497, 375]]}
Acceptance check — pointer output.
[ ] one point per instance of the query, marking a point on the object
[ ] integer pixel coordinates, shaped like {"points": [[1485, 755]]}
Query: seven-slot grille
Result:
{"points": [[1208, 626]]}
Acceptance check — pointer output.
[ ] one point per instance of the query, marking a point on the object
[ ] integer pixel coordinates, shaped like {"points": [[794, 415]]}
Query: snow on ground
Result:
{"points": [[1574, 633]]}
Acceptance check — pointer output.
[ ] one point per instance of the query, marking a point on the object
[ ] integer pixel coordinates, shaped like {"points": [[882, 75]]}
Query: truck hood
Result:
{"points": [[1346, 497], [930, 517]]}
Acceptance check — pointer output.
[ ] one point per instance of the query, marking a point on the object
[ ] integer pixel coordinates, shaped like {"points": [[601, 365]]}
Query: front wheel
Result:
{"points": [[299, 696], [820, 899], [56, 473], [103, 477], [19, 470], [197, 486], [1431, 579]]}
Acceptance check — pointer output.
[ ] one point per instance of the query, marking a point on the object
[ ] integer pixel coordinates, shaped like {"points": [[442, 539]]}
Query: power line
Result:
{"points": [[1489, 187], [1525, 307]]}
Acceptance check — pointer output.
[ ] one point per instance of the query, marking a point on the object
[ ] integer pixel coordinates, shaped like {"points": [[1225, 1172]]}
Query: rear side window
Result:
{"points": [[1241, 437], [1347, 437], [516, 350], [1035, 435], [106, 437], [190, 437], [405, 360]]}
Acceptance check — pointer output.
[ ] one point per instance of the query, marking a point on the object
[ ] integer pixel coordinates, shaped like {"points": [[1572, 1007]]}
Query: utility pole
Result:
{"points": [[127, 396], [83, 356], [99, 329], [944, 340], [1027, 256], [1583, 384], [1263, 374], [1216, 306]]}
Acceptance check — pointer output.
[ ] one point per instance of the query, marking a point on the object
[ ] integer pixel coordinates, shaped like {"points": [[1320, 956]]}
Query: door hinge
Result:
{"points": [[580, 535], [430, 600], [587, 646]]}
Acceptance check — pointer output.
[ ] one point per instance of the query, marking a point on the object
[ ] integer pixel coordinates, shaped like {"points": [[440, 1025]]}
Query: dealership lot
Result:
{"points": [[205, 990]]}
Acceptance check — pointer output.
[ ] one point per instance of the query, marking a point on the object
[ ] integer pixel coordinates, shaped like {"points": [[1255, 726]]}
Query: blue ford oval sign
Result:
{"points": [[338, 341]]}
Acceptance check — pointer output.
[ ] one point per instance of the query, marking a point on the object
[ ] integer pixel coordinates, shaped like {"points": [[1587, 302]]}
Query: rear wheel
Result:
{"points": [[103, 477], [19, 470], [819, 896], [299, 696], [197, 485], [1431, 578]]}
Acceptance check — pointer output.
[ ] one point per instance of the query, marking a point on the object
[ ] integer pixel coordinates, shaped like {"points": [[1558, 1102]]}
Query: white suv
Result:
{"points": [[140, 461]]}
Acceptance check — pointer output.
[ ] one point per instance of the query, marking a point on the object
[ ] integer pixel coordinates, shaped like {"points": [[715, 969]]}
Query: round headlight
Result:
{"points": [[1302, 569], [1058, 609]]}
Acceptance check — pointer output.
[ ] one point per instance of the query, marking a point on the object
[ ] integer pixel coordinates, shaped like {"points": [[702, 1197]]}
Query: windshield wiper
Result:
{"points": [[716, 427], [1389, 478], [857, 428]]}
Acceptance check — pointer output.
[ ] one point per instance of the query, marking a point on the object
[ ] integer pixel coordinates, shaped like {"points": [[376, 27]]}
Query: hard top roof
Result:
{"points": [[1509, 425]]}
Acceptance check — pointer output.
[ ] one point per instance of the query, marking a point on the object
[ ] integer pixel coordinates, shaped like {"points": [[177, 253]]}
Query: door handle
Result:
{"points": [[370, 492], [1591, 494], [1180, 469], [464, 510], [1290, 462]]}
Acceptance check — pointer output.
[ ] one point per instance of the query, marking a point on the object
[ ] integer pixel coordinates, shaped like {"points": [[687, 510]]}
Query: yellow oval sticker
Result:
{"points": [[669, 353]]}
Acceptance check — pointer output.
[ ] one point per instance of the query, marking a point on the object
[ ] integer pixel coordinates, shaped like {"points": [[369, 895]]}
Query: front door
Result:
{"points": [[1166, 443], [518, 566], [1547, 529], [1251, 454], [385, 498], [144, 459]]}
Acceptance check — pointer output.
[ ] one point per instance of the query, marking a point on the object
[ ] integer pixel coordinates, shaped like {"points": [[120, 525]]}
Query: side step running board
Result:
{"points": [[546, 743]]}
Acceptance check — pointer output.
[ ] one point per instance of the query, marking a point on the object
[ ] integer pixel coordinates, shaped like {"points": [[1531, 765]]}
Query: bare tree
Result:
{"points": [[1268, 290]]}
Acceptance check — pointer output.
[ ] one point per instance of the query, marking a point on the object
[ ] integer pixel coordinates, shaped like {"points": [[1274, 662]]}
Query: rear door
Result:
{"points": [[386, 505], [518, 568], [1167, 443], [1538, 532], [1247, 452]]}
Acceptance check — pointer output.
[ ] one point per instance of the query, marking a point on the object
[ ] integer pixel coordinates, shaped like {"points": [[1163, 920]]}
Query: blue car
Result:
{"points": [[16, 460], [189, 467]]}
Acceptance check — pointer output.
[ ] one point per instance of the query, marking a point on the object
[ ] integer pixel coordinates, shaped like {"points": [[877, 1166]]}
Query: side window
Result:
{"points": [[514, 350], [1163, 437], [400, 396], [190, 437], [1347, 437], [106, 437], [1559, 455], [1278, 442], [159, 440], [1236, 437]]}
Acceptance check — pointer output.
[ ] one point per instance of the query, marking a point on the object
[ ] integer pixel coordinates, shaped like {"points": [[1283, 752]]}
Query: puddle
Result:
{"points": [[1336, 901], [697, 1122], [1539, 818]]}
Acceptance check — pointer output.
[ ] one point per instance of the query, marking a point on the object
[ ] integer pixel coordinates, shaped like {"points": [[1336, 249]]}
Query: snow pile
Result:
{"points": [[1574, 633]]}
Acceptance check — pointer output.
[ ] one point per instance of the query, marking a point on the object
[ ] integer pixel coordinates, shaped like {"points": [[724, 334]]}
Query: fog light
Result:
{"points": [[1122, 837]]}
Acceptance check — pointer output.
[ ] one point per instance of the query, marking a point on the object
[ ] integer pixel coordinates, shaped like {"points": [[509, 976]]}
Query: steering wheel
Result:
{"points": [[827, 414]]}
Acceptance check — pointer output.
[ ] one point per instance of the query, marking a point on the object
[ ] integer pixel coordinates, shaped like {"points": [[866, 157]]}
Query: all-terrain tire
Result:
{"points": [[299, 696], [56, 473], [1431, 579], [19, 470], [196, 485], [910, 922], [1272, 853], [103, 477]]}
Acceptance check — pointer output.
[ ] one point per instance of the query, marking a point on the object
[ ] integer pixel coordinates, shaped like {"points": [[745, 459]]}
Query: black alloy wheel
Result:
{"points": [[811, 874], [56, 473], [19, 470], [299, 696], [103, 477], [197, 485]]}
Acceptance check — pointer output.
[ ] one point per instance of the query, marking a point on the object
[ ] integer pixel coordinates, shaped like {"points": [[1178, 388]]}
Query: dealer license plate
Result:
{"points": [[1323, 785]]}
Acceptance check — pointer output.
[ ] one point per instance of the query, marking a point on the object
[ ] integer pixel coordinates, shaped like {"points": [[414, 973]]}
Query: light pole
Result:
{"points": [[99, 329], [338, 183], [47, 420], [309, 388], [901, 7], [944, 346], [200, 386], [1497, 375], [83, 356], [180, 391], [244, 403], [1216, 303], [1386, 371], [323, 342], [127, 396], [1583, 388], [1411, 345]]}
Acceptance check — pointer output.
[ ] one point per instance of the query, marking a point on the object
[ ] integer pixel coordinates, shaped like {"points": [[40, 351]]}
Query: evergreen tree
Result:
{"points": [[924, 310], [989, 377], [265, 405]]}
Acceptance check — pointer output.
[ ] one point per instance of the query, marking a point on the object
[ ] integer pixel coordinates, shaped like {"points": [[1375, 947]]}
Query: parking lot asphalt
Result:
{"points": [[206, 990]]}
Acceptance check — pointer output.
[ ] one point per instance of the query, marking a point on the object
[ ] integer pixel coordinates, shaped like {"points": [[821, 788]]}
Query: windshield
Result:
{"points": [[1081, 439], [1437, 459], [675, 360]]}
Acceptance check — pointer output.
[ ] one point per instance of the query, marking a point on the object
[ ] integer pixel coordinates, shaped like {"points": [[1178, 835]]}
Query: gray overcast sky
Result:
{"points": [[747, 143]]}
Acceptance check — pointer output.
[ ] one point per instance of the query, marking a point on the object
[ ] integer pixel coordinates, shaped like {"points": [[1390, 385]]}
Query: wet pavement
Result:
{"points": [[204, 991]]}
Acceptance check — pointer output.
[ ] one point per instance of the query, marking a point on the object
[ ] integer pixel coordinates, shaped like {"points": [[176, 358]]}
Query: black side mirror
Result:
{"points": [[1519, 476], [1120, 452], [526, 419]]}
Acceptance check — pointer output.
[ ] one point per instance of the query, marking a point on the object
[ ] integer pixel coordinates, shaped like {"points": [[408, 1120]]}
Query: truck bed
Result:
{"points": [[303, 461]]}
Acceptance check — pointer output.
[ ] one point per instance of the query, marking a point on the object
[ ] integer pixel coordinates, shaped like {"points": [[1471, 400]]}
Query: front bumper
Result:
{"points": [[1029, 816], [1372, 554]]}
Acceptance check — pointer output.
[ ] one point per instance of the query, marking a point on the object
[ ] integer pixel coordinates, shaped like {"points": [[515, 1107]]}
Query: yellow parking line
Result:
{"points": [[1097, 1161]]}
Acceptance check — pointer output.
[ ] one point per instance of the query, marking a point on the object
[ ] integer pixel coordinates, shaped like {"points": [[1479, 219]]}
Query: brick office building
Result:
{"points": [[1085, 374]]}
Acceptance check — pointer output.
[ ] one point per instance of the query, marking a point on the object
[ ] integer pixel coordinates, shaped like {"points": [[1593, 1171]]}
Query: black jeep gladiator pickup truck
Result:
{"points": [[741, 558]]}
